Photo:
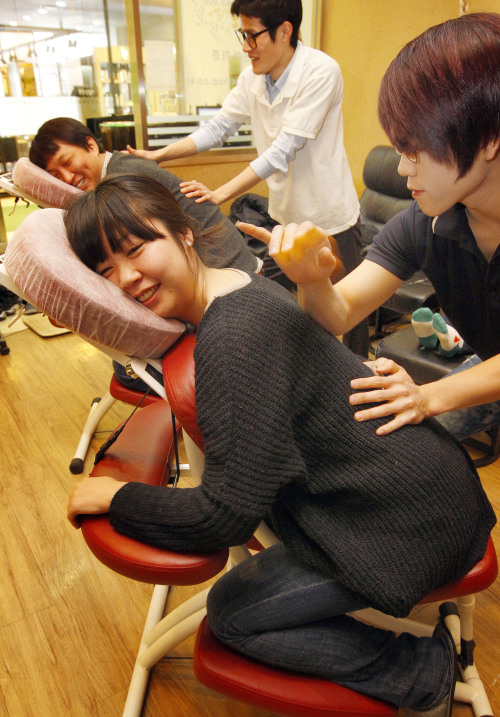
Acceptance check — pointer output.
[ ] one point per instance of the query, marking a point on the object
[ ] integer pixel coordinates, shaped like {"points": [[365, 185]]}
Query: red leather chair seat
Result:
{"points": [[225, 671], [481, 576], [289, 693], [141, 454]]}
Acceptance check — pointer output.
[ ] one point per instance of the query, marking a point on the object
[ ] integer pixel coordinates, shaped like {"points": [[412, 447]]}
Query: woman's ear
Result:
{"points": [[188, 237]]}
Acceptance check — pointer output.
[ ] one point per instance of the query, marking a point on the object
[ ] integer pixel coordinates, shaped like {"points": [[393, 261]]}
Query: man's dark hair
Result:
{"points": [[441, 94], [272, 14], [50, 135]]}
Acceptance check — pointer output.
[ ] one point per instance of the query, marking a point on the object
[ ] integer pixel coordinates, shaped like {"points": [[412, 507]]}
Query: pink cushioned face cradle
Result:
{"points": [[40, 186], [42, 264]]}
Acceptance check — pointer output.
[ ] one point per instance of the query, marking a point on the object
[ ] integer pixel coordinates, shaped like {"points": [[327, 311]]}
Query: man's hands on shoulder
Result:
{"points": [[395, 394], [199, 192]]}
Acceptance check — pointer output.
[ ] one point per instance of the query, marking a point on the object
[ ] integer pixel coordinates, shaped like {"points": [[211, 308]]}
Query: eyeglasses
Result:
{"points": [[412, 157], [249, 37]]}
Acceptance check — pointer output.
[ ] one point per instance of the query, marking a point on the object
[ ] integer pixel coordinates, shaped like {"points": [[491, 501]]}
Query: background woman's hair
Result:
{"points": [[121, 206], [441, 94]]}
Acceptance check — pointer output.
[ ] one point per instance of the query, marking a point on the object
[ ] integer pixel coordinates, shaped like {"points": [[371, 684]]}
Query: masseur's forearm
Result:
{"points": [[184, 147], [237, 185], [325, 304], [473, 387], [341, 306]]}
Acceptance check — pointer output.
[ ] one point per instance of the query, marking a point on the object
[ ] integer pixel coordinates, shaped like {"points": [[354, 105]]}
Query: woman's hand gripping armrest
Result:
{"points": [[92, 496]]}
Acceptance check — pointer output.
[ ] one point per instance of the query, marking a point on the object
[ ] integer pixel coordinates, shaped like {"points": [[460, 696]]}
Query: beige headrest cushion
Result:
{"points": [[42, 264]]}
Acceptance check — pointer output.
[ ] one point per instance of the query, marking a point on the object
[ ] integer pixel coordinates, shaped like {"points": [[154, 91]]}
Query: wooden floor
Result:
{"points": [[69, 627]]}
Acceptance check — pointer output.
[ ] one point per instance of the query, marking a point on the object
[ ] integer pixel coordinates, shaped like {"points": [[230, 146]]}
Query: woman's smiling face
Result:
{"points": [[158, 274]]}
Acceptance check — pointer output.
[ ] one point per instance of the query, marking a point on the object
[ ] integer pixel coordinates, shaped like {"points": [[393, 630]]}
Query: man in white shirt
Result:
{"points": [[292, 95]]}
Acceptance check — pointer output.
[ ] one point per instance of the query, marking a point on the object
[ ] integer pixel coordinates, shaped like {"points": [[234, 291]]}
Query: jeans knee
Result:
{"points": [[215, 606], [223, 607]]}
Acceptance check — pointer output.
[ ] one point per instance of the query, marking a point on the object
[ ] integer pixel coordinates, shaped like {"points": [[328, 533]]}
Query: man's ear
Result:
{"points": [[92, 146], [491, 150], [286, 30]]}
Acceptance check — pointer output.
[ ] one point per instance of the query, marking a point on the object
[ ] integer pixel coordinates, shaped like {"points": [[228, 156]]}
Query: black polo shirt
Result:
{"points": [[444, 248]]}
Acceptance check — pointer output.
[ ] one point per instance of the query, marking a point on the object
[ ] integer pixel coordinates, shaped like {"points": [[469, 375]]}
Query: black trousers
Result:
{"points": [[349, 245]]}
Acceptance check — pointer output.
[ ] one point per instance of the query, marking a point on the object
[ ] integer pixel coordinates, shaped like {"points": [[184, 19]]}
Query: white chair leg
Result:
{"points": [[98, 409], [171, 639], [149, 656], [471, 688], [183, 611], [471, 691], [140, 675]]}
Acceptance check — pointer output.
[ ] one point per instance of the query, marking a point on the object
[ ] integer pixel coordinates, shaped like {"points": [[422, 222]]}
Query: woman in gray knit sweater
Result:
{"points": [[363, 521]]}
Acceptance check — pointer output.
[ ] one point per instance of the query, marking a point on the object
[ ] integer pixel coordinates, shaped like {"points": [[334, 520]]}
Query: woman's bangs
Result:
{"points": [[130, 223]]}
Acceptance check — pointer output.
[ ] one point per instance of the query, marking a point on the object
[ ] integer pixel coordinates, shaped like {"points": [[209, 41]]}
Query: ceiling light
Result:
{"points": [[60, 3], [27, 18], [42, 11]]}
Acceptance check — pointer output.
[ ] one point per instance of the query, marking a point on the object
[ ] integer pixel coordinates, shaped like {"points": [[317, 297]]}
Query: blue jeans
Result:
{"points": [[275, 609], [468, 421]]}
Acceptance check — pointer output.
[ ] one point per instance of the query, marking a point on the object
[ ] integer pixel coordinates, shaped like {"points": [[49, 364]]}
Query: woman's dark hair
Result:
{"points": [[128, 205], [441, 94], [50, 135], [272, 14]]}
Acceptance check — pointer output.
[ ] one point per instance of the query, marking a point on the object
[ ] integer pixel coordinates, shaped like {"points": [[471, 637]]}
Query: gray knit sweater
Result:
{"points": [[392, 517]]}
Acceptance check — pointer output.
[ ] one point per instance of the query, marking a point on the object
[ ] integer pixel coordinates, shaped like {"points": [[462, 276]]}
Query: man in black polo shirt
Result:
{"points": [[439, 105]]}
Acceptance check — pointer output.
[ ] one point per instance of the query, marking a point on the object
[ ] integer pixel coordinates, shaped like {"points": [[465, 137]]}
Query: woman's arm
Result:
{"points": [[175, 519], [241, 446]]}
